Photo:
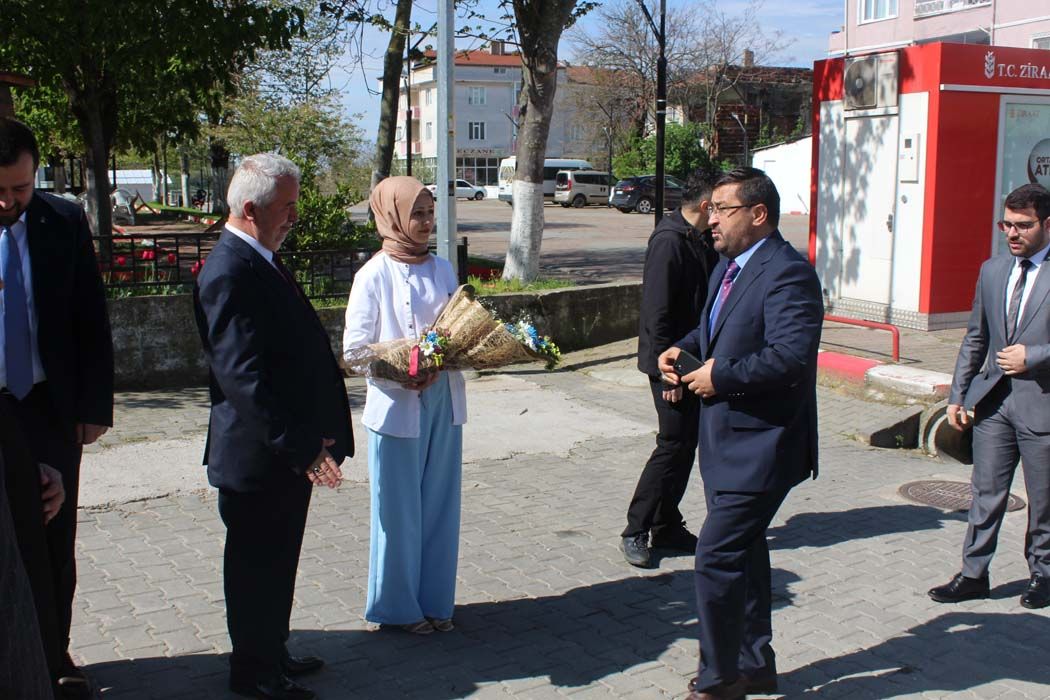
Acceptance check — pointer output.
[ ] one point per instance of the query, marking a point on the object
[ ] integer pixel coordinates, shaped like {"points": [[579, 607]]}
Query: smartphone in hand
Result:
{"points": [[686, 363]]}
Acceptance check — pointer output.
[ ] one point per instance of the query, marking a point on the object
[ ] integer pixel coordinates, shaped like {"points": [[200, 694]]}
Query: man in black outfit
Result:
{"points": [[678, 263], [56, 374]]}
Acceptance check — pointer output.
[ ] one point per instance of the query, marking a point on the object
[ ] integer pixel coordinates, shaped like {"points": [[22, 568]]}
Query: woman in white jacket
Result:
{"points": [[415, 438]]}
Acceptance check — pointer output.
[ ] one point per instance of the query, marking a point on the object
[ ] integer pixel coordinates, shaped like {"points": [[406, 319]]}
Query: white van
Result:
{"points": [[578, 188], [551, 166]]}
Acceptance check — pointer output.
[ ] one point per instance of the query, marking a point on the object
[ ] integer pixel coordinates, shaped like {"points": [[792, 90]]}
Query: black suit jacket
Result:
{"points": [[678, 263], [759, 432], [276, 388], [73, 333]]}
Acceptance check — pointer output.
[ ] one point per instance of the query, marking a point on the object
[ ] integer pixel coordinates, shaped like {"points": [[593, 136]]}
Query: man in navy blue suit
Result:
{"points": [[757, 340], [280, 421]]}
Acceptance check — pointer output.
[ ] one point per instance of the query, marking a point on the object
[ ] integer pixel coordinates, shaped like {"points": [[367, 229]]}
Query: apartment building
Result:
{"points": [[487, 84], [879, 25]]}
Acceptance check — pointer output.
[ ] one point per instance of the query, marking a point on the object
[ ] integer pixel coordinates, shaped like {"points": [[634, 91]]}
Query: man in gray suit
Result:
{"points": [[1003, 374]]}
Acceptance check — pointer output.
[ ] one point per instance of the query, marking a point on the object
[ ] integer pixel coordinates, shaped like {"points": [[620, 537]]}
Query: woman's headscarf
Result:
{"points": [[391, 202]]}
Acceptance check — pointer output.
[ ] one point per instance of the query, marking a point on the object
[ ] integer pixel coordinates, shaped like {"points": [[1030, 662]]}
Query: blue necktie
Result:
{"points": [[17, 351]]}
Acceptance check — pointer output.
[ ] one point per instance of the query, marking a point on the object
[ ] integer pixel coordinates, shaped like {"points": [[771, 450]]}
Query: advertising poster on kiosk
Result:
{"points": [[1024, 149]]}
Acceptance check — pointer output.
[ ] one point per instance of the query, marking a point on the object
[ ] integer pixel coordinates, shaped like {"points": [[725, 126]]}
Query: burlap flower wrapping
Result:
{"points": [[476, 340]]}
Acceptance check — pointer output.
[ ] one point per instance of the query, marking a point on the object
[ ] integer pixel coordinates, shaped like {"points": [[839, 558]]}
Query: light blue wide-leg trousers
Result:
{"points": [[415, 487]]}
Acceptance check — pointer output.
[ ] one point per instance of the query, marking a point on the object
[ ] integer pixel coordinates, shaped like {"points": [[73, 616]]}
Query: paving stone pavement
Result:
{"points": [[546, 606]]}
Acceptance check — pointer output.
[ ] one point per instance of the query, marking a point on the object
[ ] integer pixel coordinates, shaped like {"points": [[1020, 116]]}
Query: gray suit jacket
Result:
{"points": [[976, 371]]}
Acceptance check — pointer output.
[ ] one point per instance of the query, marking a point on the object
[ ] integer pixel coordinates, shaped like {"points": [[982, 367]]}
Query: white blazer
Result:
{"points": [[389, 301]]}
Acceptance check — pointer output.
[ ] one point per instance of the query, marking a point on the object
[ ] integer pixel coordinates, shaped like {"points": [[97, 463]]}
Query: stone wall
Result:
{"points": [[156, 344]]}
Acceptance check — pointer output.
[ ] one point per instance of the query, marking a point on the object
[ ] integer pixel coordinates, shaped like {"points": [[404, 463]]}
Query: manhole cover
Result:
{"points": [[947, 495]]}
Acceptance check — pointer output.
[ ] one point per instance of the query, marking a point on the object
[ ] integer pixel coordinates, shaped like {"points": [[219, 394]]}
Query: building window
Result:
{"points": [[871, 10], [429, 131], [480, 171], [428, 97], [400, 134], [576, 132], [475, 131], [1041, 42], [499, 71], [476, 96]]}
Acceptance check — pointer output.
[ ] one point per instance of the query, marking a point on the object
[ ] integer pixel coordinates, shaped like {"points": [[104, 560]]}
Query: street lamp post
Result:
{"points": [[661, 101], [742, 128], [408, 99]]}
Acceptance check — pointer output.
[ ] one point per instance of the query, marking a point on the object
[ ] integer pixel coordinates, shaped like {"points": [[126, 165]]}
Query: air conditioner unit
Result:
{"points": [[870, 81]]}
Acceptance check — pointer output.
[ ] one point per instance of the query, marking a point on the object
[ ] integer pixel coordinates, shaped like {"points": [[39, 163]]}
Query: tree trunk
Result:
{"points": [[393, 63], [59, 170], [184, 178], [540, 26], [156, 176], [220, 173]]}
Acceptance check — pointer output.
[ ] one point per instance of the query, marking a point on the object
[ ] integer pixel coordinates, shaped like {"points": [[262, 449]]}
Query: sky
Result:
{"points": [[808, 23]]}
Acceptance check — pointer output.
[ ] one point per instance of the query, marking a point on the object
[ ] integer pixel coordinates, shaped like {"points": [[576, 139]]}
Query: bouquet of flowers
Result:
{"points": [[464, 336]]}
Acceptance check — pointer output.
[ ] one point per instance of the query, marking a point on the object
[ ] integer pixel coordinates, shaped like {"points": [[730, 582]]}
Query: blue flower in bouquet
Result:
{"points": [[526, 334], [432, 344]]}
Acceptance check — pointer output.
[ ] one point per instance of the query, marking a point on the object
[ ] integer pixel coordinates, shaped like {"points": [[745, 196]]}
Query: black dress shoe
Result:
{"points": [[636, 550], [678, 539], [960, 588], [737, 690], [301, 665], [72, 684], [279, 687], [766, 683], [1038, 593]]}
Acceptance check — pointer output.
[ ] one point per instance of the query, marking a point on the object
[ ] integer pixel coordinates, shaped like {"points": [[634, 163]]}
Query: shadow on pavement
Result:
{"points": [[834, 527], [946, 654], [573, 639]]}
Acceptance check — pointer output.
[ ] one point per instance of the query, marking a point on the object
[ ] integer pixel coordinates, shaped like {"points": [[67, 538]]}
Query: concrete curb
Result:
{"points": [[901, 379]]}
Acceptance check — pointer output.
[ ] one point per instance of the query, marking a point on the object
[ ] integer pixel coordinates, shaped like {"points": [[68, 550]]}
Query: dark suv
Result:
{"points": [[639, 194]]}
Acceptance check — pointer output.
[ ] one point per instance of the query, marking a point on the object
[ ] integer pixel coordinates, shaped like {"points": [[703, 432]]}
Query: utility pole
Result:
{"points": [[444, 178], [661, 101]]}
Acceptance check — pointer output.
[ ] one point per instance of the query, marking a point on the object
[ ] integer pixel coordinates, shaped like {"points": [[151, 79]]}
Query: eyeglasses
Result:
{"points": [[723, 209], [1021, 226]]}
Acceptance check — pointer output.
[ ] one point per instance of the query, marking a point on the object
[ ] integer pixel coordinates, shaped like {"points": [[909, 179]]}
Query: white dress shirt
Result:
{"points": [[1037, 261], [254, 243], [18, 230], [389, 301]]}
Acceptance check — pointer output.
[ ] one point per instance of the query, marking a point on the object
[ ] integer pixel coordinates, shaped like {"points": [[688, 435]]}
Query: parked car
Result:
{"points": [[639, 193], [464, 190], [578, 188]]}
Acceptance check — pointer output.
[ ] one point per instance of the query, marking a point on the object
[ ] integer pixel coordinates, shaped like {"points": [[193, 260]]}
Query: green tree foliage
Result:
{"points": [[166, 56], [684, 152]]}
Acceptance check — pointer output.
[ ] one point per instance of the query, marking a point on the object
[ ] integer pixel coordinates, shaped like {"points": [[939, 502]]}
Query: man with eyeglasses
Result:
{"points": [[1003, 376], [758, 339]]}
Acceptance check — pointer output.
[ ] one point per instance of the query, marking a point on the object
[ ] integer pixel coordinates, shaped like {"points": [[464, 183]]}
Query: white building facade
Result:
{"points": [[487, 85]]}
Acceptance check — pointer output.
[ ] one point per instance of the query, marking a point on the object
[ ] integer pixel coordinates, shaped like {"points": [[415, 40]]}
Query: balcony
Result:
{"points": [[926, 8]]}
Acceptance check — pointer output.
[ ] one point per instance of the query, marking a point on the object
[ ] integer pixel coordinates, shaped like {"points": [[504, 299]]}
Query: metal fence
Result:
{"points": [[133, 265]]}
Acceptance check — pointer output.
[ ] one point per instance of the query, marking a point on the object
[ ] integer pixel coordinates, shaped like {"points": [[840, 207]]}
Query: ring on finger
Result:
{"points": [[316, 470]]}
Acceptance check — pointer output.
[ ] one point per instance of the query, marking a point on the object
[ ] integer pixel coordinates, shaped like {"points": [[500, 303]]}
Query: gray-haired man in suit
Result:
{"points": [[1003, 374]]}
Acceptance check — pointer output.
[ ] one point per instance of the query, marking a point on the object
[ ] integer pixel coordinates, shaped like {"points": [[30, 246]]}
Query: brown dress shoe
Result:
{"points": [[737, 690]]}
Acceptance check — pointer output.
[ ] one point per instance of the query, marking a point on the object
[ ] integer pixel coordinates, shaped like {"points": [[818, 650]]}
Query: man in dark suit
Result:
{"points": [[57, 371], [1003, 375], [758, 342], [23, 665], [678, 263], [280, 421]]}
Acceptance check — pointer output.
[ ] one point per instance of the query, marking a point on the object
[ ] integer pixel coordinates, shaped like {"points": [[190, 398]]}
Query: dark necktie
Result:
{"points": [[723, 293], [17, 344], [1014, 309]]}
